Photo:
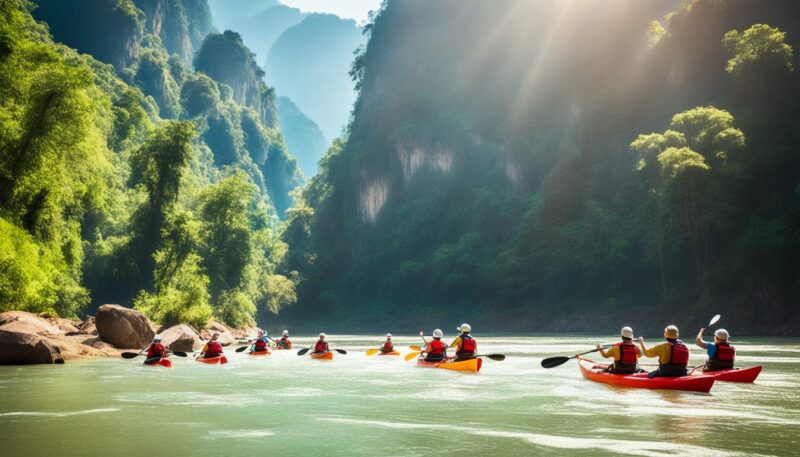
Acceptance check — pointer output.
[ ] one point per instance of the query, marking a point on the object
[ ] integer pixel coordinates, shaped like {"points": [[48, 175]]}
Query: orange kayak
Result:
{"points": [[596, 372], [322, 355], [164, 362], [472, 365], [259, 353], [212, 360], [734, 375], [389, 353]]}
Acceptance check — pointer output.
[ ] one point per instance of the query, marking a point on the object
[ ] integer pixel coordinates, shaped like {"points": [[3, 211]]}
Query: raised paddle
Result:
{"points": [[553, 362], [713, 321]]}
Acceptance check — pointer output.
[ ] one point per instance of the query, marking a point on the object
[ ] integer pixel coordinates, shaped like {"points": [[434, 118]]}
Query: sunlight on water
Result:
{"points": [[359, 405]]}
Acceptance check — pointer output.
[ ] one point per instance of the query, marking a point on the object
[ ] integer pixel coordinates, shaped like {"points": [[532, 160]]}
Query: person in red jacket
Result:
{"points": [[388, 346], [284, 342], [436, 350], [625, 354], [262, 342], [321, 346], [156, 350], [721, 353], [212, 348]]}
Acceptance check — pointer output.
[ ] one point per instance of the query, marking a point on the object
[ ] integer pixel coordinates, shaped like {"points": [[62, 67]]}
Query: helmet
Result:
{"points": [[157, 338], [260, 332], [671, 331], [721, 334], [388, 335], [322, 335], [626, 332], [286, 332], [437, 333], [465, 328]]}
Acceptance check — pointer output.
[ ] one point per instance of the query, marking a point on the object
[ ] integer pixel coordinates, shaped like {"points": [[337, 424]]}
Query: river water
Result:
{"points": [[368, 406]]}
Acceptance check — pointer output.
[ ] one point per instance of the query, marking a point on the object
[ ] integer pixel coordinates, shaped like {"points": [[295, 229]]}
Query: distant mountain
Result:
{"points": [[261, 30], [309, 63], [302, 135], [226, 11], [180, 24]]}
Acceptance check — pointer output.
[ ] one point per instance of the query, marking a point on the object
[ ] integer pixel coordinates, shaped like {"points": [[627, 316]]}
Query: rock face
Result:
{"points": [[123, 327], [226, 335], [26, 349], [181, 338]]}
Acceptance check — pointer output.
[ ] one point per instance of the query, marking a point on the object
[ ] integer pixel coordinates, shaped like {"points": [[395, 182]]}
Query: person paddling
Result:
{"points": [[212, 348], [673, 355], [321, 346], [388, 346], [262, 342], [721, 354], [465, 344], [156, 351], [283, 342], [625, 354], [436, 350]]}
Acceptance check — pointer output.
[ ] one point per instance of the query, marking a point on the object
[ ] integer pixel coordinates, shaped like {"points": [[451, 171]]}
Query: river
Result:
{"points": [[368, 406]]}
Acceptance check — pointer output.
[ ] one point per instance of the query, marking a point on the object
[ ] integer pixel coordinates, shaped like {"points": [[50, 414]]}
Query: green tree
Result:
{"points": [[760, 44]]}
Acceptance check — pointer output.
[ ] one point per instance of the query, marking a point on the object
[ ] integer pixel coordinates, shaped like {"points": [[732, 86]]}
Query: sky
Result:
{"points": [[351, 9]]}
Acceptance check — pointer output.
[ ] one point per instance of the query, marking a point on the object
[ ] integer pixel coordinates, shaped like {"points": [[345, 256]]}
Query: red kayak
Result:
{"points": [[595, 372], [322, 355], [164, 362], [212, 360], [734, 375], [259, 353]]}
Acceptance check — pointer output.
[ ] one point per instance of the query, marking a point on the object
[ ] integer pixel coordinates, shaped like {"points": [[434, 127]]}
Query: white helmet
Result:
{"points": [[626, 332], [157, 338], [437, 333], [260, 332], [721, 334], [388, 335], [465, 328], [286, 332], [322, 335]]}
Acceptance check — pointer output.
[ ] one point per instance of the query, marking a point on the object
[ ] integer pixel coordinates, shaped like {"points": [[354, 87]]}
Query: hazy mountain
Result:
{"points": [[260, 30], [226, 11], [302, 135]]}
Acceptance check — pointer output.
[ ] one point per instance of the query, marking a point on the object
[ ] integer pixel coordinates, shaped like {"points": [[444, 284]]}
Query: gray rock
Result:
{"points": [[123, 328]]}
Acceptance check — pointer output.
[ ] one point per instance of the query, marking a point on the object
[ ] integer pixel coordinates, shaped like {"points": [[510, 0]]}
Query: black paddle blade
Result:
{"points": [[153, 360], [180, 353], [303, 351], [340, 351], [498, 357], [241, 349], [553, 362], [130, 355]]}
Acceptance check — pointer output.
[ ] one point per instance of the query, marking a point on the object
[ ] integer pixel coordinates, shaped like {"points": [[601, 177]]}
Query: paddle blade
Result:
{"points": [[412, 355], [498, 357], [340, 351], [130, 355], [553, 362], [415, 348], [180, 353], [714, 320], [241, 349], [303, 351], [373, 351]]}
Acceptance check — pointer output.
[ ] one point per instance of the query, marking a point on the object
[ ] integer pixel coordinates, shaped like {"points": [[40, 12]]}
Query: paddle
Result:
{"points": [[498, 357], [416, 348], [553, 362], [373, 352], [713, 321], [131, 355], [304, 351], [412, 355]]}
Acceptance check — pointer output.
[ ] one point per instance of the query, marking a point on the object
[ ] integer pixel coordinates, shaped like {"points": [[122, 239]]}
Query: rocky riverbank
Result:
{"points": [[27, 338]]}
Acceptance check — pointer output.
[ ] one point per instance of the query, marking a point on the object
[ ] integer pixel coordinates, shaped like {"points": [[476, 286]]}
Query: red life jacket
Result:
{"points": [[321, 346], [437, 347], [156, 350], [261, 345], [679, 356], [387, 347], [723, 358], [213, 349], [628, 358], [468, 345], [285, 341]]}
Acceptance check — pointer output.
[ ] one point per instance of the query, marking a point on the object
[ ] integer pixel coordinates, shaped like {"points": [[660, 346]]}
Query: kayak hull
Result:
{"points": [[322, 355], [747, 375], [213, 360], [259, 353], [389, 353], [471, 365], [594, 372], [166, 363]]}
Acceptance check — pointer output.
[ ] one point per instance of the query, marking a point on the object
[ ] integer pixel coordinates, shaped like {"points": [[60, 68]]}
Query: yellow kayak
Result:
{"points": [[472, 365]]}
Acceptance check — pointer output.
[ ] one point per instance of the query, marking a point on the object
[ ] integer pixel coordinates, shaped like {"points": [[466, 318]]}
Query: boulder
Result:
{"points": [[26, 349], [87, 326], [226, 336], [65, 325], [27, 323], [181, 337], [123, 327]]}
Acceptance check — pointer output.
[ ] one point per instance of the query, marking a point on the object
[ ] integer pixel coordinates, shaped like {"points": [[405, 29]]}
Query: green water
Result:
{"points": [[368, 406]]}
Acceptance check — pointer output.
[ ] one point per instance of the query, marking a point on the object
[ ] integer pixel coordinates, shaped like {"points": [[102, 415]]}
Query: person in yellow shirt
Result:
{"points": [[673, 355], [625, 354], [465, 344]]}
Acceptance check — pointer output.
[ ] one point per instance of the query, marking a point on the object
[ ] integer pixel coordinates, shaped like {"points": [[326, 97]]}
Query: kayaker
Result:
{"points": [[284, 342], [625, 354], [388, 346], [156, 349], [436, 350], [321, 345], [465, 344], [212, 348], [721, 354], [673, 355], [262, 342]]}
